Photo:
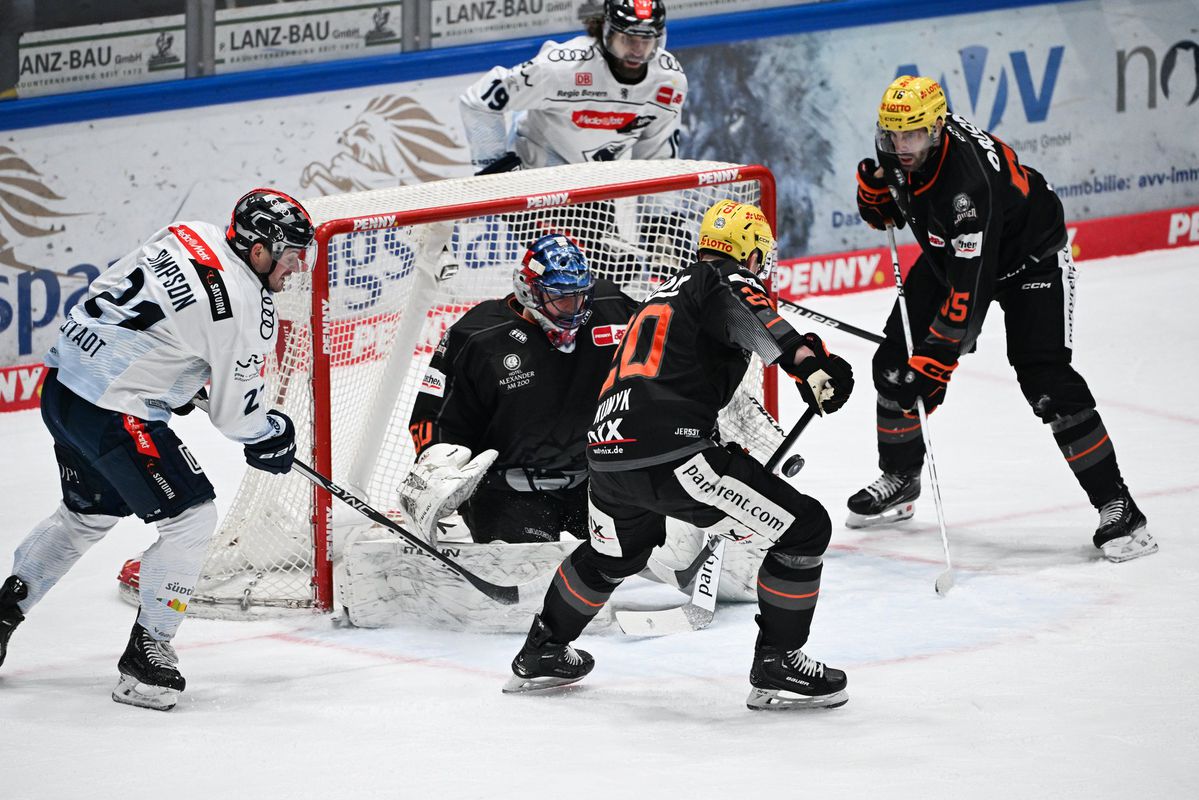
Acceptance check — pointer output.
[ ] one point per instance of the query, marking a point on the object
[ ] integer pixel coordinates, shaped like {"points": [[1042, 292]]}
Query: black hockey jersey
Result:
{"points": [[685, 353], [495, 381], [981, 217]]}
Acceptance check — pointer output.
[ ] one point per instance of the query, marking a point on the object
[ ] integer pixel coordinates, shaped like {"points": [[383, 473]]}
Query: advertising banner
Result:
{"points": [[454, 22], [97, 56], [304, 32]]}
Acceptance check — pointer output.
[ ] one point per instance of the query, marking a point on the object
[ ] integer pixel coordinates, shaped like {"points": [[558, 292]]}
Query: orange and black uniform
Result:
{"points": [[990, 229], [653, 451]]}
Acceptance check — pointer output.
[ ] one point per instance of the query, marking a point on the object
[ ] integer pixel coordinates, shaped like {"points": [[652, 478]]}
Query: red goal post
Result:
{"points": [[395, 268]]}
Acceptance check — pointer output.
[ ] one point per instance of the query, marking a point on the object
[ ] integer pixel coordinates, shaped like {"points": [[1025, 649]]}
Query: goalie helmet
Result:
{"points": [[634, 30], [737, 231], [554, 284], [907, 120], [276, 220]]}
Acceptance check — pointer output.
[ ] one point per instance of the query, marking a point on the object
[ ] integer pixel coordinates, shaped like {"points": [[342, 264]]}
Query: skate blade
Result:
{"points": [[130, 692], [899, 513], [782, 700], [519, 685], [1126, 548]]}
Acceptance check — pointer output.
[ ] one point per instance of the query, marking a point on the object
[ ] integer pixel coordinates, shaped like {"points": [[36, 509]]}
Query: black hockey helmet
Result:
{"points": [[641, 25], [271, 217], [636, 17]]}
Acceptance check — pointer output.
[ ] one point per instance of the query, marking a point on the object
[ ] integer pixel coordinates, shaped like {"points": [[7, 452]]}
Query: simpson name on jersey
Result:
{"points": [[143, 340]]}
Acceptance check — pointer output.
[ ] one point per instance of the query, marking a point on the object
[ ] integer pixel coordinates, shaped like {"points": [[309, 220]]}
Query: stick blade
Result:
{"points": [[944, 582], [664, 621]]}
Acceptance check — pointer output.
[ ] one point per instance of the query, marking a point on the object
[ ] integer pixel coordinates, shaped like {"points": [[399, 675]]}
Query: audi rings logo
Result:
{"points": [[266, 328], [570, 54], [512, 362]]}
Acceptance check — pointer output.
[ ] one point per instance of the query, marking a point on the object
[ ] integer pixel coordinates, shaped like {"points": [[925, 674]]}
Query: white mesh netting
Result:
{"points": [[392, 292]]}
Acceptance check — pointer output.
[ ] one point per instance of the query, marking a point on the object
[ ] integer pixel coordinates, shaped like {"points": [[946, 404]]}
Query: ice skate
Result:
{"points": [[149, 677], [542, 664], [891, 498], [787, 679], [12, 591], [1122, 534]]}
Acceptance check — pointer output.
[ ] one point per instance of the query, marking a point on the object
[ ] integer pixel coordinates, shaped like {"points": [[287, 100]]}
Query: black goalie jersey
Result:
{"points": [[685, 352], [495, 381]]}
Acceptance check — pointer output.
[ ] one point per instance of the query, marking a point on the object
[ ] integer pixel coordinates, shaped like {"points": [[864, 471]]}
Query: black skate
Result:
{"points": [[12, 591], [149, 678], [542, 664], [891, 498], [786, 679], [1121, 534]]}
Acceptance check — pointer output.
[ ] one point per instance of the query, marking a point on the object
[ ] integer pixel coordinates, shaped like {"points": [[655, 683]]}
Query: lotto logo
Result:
{"points": [[582, 79]]}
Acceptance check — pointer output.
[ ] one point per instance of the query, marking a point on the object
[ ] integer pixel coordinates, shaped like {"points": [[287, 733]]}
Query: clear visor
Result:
{"points": [[635, 48], [295, 259], [910, 147]]}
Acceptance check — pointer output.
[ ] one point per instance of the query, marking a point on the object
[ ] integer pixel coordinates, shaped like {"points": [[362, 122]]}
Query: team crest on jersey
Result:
{"points": [[519, 335], [512, 362], [607, 335], [964, 206]]}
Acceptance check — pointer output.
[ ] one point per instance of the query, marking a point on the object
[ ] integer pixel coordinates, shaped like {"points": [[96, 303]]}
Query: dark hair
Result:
{"points": [[594, 26]]}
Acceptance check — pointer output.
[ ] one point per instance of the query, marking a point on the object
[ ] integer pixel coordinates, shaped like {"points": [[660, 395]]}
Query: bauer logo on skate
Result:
{"points": [[740, 501]]}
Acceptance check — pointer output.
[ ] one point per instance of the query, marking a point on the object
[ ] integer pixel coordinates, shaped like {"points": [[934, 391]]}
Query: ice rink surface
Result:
{"points": [[1045, 673]]}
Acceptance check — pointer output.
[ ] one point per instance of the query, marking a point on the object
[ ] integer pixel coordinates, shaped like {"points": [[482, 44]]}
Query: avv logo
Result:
{"points": [[980, 73]]}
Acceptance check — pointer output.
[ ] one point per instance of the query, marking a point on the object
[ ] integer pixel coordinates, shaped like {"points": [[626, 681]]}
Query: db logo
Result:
{"points": [[607, 335], [582, 79]]}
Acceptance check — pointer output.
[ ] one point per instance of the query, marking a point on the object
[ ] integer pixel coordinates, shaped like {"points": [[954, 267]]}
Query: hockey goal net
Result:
{"points": [[395, 269]]}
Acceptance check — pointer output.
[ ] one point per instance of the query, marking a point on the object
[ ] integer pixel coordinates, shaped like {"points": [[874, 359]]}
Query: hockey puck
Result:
{"points": [[793, 465]]}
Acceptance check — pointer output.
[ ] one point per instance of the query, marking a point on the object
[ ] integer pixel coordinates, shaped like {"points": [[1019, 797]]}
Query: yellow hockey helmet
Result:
{"points": [[912, 103], [736, 230]]}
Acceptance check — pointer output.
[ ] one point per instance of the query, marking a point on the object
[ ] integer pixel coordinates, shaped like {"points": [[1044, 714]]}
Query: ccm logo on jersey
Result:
{"points": [[607, 335], [968, 245], [609, 121]]}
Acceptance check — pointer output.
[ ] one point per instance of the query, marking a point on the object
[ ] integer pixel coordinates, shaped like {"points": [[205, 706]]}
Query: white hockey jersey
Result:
{"points": [[574, 109], [155, 326]]}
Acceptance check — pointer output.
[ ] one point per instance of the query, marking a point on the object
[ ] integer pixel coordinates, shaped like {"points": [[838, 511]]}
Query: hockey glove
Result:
{"points": [[275, 453], [442, 479], [188, 407], [927, 376], [506, 163], [875, 203], [824, 380]]}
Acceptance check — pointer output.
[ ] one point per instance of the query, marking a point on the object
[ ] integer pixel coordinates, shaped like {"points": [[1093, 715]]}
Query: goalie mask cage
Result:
{"points": [[395, 268]]}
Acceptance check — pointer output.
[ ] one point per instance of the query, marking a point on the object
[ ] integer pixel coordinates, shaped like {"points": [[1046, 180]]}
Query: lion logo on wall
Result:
{"points": [[24, 207], [394, 141]]}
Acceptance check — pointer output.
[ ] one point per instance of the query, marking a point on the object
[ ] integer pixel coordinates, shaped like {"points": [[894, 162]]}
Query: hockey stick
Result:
{"points": [[945, 579], [505, 595], [807, 313], [699, 610]]}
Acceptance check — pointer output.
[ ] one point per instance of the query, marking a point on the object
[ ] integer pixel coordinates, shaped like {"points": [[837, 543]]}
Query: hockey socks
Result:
{"points": [[576, 594], [1088, 450], [788, 588]]}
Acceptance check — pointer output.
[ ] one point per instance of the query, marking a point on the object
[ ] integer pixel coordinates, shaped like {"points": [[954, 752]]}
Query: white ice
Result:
{"points": [[1045, 673]]}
